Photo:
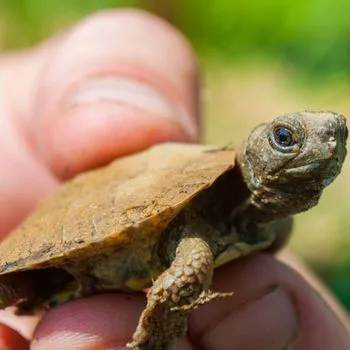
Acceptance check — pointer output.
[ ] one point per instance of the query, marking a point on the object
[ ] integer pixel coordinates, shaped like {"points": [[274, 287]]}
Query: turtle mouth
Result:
{"points": [[324, 170]]}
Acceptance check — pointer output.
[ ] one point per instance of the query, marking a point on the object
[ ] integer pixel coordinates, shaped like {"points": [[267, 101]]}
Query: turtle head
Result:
{"points": [[296, 156]]}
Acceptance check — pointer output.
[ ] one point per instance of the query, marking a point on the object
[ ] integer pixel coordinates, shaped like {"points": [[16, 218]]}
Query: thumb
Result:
{"points": [[115, 84]]}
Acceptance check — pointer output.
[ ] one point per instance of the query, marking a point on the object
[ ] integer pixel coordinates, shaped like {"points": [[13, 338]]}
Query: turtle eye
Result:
{"points": [[283, 136], [284, 139]]}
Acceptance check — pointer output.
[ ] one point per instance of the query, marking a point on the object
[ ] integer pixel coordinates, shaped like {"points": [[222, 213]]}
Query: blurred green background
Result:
{"points": [[260, 58]]}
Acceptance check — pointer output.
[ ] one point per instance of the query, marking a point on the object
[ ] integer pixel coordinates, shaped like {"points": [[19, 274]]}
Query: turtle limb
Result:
{"points": [[178, 290], [32, 290], [16, 291]]}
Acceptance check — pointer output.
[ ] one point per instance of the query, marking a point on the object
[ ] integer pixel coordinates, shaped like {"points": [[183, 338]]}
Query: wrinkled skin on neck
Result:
{"points": [[288, 180]]}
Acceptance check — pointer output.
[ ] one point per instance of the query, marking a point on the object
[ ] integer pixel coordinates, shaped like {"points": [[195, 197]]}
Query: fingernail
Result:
{"points": [[268, 323], [136, 94]]}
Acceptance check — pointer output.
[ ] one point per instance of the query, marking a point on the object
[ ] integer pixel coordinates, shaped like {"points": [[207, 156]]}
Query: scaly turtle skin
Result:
{"points": [[171, 214]]}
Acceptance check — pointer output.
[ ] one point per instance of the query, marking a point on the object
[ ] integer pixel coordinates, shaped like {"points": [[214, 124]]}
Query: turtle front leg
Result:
{"points": [[178, 290]]}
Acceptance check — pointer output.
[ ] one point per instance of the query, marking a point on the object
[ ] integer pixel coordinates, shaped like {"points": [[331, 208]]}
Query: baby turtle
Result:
{"points": [[170, 215]]}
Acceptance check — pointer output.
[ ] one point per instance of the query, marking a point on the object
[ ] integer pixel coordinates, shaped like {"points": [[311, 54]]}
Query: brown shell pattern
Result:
{"points": [[132, 197]]}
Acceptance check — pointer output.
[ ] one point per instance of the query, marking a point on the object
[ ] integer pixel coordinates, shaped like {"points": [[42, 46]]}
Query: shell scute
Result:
{"points": [[112, 205]]}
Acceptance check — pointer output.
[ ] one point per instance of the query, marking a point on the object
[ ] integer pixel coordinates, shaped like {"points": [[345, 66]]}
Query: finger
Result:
{"points": [[100, 322], [117, 83], [80, 108], [10, 339], [273, 308], [319, 288], [114, 84]]}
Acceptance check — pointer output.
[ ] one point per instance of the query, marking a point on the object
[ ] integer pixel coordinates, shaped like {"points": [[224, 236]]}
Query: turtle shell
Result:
{"points": [[132, 199]]}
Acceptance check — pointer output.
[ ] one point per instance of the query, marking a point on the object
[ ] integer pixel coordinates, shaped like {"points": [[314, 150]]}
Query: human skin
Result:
{"points": [[114, 84]]}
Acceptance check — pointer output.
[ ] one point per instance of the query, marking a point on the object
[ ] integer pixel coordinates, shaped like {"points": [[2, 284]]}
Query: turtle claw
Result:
{"points": [[205, 297]]}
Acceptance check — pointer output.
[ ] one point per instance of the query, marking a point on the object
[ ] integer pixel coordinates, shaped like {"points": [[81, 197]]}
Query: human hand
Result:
{"points": [[114, 84]]}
